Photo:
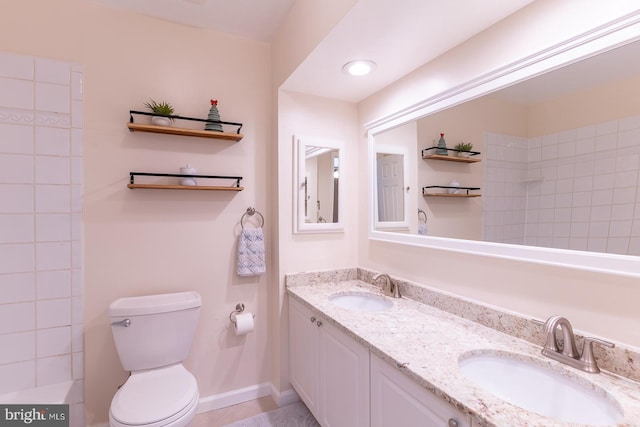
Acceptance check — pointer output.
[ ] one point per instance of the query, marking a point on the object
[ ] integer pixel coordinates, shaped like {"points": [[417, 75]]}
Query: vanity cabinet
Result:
{"points": [[328, 369], [396, 400]]}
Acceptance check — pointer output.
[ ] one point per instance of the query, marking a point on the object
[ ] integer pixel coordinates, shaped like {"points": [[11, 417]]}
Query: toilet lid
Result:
{"points": [[151, 396]]}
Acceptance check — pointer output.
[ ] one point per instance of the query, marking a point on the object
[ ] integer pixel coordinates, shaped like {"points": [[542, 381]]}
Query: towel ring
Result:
{"points": [[250, 212], [420, 211]]}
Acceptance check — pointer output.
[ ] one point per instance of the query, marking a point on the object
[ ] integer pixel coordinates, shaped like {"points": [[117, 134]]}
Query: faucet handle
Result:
{"points": [[587, 353]]}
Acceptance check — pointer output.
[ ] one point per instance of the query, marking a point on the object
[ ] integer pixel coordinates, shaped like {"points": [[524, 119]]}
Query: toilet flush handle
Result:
{"points": [[126, 323]]}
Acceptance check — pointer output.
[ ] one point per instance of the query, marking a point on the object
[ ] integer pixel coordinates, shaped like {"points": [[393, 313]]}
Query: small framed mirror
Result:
{"points": [[318, 185]]}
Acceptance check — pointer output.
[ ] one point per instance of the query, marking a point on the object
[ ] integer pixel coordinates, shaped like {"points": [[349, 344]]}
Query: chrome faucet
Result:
{"points": [[388, 287], [569, 354]]}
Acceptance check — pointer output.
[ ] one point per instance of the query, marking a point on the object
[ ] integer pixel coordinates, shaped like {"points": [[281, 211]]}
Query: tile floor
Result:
{"points": [[228, 415]]}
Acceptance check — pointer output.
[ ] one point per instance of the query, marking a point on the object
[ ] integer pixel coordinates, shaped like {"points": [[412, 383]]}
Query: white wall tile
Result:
{"points": [[76, 143], [53, 170], [51, 370], [77, 170], [620, 229], [53, 313], [622, 212], [77, 282], [618, 245], [53, 198], [16, 66], [601, 213], [17, 347], [76, 226], [16, 139], [579, 229], [53, 284], [607, 127], [53, 256], [53, 98], [54, 341], [585, 146], [580, 214], [76, 254], [597, 244], [77, 338], [624, 195], [77, 115], [16, 169], [17, 317], [16, 93], [607, 142], [50, 71], [17, 376], [78, 365], [629, 123], [77, 88], [629, 138], [16, 228], [606, 165], [16, 258], [77, 310], [76, 198], [599, 229], [18, 287], [19, 197], [53, 227], [53, 141], [586, 132]]}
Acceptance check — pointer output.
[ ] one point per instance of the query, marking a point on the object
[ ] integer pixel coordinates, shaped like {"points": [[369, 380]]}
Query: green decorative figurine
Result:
{"points": [[442, 147], [214, 115]]}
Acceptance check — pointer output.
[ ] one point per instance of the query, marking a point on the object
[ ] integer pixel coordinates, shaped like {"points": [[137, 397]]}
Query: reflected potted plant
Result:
{"points": [[160, 110], [464, 149]]}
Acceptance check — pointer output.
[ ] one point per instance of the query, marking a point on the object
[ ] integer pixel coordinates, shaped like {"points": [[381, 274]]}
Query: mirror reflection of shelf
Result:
{"points": [[427, 153], [235, 186], [463, 191]]}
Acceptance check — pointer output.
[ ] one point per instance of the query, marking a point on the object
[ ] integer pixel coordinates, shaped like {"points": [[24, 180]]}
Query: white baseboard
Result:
{"points": [[246, 394], [241, 395], [284, 398]]}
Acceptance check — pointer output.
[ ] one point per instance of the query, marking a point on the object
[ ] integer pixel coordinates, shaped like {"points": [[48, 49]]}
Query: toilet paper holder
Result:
{"points": [[239, 309]]}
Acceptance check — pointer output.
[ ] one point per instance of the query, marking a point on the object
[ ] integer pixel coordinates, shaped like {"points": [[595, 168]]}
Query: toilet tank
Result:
{"points": [[152, 331]]}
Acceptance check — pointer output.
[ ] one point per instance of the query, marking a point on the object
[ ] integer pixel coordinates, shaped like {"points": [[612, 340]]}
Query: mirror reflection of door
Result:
{"points": [[390, 171], [322, 175]]}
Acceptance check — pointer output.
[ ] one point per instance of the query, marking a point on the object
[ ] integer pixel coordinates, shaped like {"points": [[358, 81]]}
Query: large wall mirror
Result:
{"points": [[558, 175], [318, 185]]}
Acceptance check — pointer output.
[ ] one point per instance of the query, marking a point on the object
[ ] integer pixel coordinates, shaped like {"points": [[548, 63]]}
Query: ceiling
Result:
{"points": [[398, 35], [254, 19]]}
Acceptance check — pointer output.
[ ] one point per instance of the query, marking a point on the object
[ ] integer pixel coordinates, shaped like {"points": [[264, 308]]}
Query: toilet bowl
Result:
{"points": [[153, 335]]}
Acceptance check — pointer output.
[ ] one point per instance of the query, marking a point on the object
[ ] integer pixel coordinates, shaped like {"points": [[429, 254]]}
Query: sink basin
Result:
{"points": [[530, 384], [361, 301]]}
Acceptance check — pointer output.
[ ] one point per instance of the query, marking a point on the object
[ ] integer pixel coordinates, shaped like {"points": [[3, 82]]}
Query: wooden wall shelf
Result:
{"points": [[463, 191], [430, 153], [184, 187], [235, 187], [449, 195], [185, 132], [450, 158]]}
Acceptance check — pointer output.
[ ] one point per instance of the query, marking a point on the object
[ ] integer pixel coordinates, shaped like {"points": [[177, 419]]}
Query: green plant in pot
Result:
{"points": [[464, 149], [161, 110]]}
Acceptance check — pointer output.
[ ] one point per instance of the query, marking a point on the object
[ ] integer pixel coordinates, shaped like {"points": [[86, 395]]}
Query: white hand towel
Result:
{"points": [[251, 260]]}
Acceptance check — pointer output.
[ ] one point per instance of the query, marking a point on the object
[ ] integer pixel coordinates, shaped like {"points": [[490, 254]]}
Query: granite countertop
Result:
{"points": [[426, 343]]}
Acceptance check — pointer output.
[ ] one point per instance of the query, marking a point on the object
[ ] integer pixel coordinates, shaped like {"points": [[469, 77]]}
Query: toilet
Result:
{"points": [[153, 335]]}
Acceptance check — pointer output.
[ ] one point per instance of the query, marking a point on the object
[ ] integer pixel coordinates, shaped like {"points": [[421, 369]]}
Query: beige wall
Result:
{"points": [[608, 102], [599, 304], [151, 241], [320, 118]]}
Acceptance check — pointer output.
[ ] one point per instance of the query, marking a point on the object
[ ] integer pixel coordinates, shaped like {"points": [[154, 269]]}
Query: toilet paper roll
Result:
{"points": [[244, 323]]}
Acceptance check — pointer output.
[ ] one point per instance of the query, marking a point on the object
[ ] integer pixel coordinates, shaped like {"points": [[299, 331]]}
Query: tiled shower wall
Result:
{"points": [[41, 178], [582, 188]]}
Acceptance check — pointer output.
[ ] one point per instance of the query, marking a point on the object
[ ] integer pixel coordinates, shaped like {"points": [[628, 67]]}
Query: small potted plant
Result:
{"points": [[161, 109], [464, 149]]}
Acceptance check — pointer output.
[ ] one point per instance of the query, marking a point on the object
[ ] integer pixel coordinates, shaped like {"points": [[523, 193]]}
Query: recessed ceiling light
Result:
{"points": [[361, 67]]}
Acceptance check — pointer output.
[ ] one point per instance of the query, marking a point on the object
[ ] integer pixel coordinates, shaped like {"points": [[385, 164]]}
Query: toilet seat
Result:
{"points": [[155, 398]]}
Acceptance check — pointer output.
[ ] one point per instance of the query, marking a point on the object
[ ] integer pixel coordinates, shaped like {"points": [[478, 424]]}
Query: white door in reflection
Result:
{"points": [[390, 169]]}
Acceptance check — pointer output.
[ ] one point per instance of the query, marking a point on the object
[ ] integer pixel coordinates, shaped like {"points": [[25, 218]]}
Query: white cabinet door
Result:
{"points": [[303, 354], [344, 380], [396, 400]]}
